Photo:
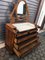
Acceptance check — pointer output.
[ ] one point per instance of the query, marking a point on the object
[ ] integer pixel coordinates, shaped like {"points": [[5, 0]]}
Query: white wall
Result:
{"points": [[42, 13]]}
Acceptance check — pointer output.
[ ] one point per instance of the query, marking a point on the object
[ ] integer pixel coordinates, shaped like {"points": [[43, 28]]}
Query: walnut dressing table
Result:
{"points": [[21, 35], [21, 38]]}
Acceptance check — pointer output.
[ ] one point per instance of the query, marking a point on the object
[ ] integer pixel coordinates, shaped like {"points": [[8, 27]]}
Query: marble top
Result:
{"points": [[24, 26]]}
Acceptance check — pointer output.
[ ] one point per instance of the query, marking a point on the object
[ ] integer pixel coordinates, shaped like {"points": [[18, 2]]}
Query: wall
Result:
{"points": [[4, 15], [33, 6]]}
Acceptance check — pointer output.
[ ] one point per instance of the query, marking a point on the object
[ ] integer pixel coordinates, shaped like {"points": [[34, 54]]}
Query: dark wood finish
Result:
{"points": [[20, 42], [24, 33], [24, 38], [17, 41], [25, 43], [26, 49], [13, 18]]}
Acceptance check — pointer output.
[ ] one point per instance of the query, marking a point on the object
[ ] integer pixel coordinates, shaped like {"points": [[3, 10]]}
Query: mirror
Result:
{"points": [[21, 9]]}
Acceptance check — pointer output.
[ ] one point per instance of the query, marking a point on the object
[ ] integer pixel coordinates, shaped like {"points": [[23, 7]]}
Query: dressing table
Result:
{"points": [[21, 36]]}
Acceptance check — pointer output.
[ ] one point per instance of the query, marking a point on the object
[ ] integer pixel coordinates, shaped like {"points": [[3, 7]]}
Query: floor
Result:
{"points": [[36, 54]]}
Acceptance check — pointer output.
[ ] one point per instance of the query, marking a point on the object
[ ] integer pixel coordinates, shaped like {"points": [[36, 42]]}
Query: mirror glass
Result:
{"points": [[21, 8]]}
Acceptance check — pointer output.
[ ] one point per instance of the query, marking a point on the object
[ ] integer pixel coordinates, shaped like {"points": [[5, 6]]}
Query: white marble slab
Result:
{"points": [[24, 26]]}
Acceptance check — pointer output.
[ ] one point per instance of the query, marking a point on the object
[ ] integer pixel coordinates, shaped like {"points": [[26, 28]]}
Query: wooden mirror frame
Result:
{"points": [[15, 11]]}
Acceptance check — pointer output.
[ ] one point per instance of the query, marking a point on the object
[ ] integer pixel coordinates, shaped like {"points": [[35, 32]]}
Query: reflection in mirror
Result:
{"points": [[21, 8]]}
